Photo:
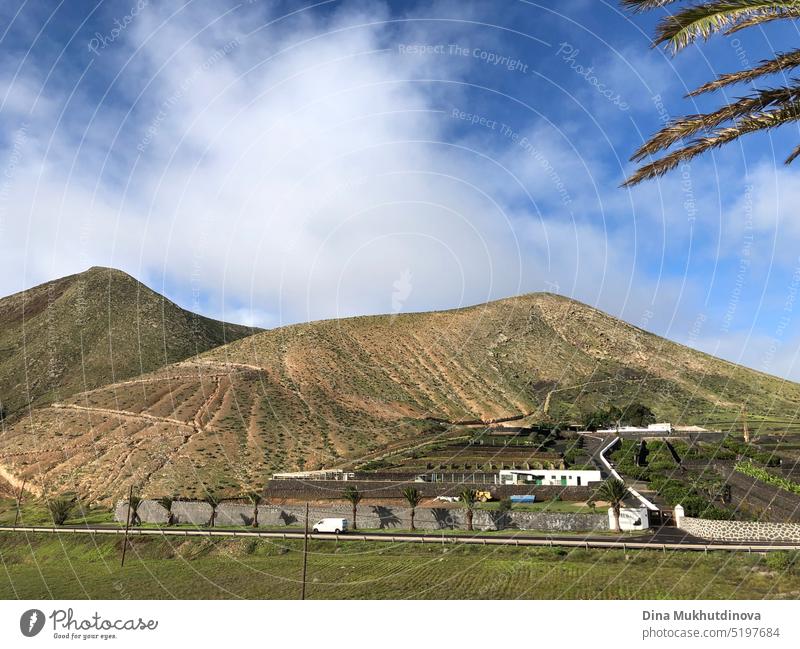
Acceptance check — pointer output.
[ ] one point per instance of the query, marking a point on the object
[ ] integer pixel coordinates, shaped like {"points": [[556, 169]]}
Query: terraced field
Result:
{"points": [[192, 429]]}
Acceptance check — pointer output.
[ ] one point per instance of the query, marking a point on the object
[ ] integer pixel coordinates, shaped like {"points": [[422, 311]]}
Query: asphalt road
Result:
{"points": [[662, 539]]}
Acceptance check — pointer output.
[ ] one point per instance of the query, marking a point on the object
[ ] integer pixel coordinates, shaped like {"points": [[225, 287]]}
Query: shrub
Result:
{"points": [[757, 472], [60, 509], [782, 561]]}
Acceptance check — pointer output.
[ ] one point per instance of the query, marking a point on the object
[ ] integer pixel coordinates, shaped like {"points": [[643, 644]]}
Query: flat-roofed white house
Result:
{"points": [[546, 477], [664, 428]]}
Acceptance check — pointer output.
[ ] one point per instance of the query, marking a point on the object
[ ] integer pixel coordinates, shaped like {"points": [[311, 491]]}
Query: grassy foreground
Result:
{"points": [[42, 566]]}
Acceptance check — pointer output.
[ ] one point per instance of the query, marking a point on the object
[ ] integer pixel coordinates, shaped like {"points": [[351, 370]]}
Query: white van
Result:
{"points": [[333, 525]]}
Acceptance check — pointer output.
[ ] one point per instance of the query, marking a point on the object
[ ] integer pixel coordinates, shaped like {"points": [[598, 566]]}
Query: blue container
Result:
{"points": [[523, 499]]}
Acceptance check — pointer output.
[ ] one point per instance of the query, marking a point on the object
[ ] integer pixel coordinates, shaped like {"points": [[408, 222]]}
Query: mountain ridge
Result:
{"points": [[324, 393]]}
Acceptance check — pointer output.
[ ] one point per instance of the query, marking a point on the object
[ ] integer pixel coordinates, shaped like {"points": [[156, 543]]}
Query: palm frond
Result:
{"points": [[781, 63], [764, 18], [706, 19], [750, 124], [645, 5], [684, 127], [792, 155]]}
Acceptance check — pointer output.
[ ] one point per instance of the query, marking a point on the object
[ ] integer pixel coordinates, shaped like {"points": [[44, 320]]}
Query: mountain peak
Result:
{"points": [[92, 328]]}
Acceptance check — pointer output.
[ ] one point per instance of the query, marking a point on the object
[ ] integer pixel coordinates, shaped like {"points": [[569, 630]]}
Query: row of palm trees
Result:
{"points": [[612, 491], [214, 500], [414, 497]]}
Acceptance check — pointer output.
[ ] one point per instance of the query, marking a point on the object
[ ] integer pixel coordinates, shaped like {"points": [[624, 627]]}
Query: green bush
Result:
{"points": [[783, 560]]}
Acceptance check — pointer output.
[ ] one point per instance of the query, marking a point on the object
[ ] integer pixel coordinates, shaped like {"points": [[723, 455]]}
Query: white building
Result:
{"points": [[664, 428], [631, 519], [322, 474], [545, 477]]}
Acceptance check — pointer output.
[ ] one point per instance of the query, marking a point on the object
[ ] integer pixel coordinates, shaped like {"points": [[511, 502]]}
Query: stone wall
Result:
{"points": [[234, 514], [149, 511], [434, 518], [370, 517], [743, 531], [383, 489], [192, 512]]}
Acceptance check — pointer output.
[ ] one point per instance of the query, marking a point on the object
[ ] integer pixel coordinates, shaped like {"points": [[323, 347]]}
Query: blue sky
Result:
{"points": [[270, 163]]}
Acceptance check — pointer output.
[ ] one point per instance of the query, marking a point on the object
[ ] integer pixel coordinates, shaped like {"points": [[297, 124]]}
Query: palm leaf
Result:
{"points": [[644, 5], [781, 63], [750, 124], [764, 109], [692, 124], [764, 18], [795, 152], [706, 19]]}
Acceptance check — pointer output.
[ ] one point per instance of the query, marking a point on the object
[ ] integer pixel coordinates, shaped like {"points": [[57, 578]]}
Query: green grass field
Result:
{"points": [[69, 567]]}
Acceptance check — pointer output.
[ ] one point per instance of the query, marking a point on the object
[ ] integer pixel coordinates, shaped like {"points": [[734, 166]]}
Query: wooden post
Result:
{"points": [[19, 501], [127, 525], [305, 557]]}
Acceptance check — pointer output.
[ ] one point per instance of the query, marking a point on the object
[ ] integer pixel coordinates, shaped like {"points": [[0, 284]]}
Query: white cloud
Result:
{"points": [[301, 172]]}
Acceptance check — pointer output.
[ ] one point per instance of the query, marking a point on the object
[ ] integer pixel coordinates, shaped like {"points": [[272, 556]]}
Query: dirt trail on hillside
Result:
{"points": [[120, 413], [197, 426], [17, 484]]}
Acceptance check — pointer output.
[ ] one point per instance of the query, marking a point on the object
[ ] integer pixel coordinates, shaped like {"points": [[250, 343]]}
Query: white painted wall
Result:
{"points": [[629, 517], [549, 477]]}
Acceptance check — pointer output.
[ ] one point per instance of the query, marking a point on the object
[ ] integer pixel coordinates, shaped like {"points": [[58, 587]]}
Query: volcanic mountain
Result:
{"points": [[325, 393], [91, 329]]}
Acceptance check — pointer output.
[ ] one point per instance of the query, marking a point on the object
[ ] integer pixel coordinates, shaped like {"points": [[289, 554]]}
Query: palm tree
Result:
{"points": [[414, 498], [255, 499], [354, 496], [761, 109], [60, 509], [613, 491], [213, 500], [133, 510], [469, 497]]}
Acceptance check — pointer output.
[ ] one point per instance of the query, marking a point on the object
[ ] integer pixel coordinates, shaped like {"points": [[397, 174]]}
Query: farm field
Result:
{"points": [[39, 566]]}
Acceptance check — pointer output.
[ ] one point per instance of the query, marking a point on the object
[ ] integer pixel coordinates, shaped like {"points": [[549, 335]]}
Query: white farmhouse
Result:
{"points": [[562, 477], [663, 428]]}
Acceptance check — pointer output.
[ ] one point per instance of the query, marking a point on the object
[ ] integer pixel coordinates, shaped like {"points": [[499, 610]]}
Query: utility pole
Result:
{"points": [[745, 429], [19, 501], [127, 525], [305, 557]]}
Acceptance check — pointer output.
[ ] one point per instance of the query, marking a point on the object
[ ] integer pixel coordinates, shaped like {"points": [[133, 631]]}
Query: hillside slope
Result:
{"points": [[90, 329], [317, 394]]}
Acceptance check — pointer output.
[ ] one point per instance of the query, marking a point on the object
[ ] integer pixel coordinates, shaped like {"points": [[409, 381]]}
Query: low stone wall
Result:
{"points": [[148, 511], [192, 512], [383, 489], [742, 531], [234, 514], [369, 517], [435, 518]]}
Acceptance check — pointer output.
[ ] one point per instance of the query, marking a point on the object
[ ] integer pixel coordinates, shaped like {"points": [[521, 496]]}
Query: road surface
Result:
{"points": [[662, 539]]}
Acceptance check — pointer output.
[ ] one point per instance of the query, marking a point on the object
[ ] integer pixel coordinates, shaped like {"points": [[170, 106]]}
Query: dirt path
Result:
{"points": [[17, 484], [197, 426], [120, 413]]}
